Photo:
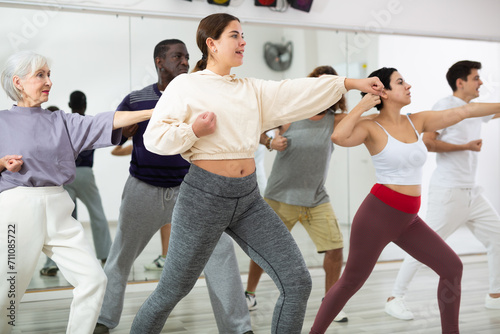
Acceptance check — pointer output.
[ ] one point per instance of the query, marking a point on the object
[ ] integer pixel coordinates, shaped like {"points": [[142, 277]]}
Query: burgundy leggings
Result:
{"points": [[380, 220]]}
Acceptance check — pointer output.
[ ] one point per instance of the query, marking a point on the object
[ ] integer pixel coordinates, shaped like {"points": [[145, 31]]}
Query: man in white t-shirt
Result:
{"points": [[454, 198]]}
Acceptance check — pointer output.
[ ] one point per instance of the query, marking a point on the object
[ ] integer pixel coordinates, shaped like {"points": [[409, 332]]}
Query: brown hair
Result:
{"points": [[211, 26], [319, 71]]}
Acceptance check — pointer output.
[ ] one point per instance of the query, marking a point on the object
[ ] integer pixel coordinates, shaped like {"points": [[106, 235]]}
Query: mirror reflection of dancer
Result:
{"points": [[455, 199], [389, 212], [84, 187], [215, 120], [38, 149]]}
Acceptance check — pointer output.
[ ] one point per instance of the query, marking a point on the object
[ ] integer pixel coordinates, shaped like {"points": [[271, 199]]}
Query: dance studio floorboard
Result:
{"points": [[47, 312]]}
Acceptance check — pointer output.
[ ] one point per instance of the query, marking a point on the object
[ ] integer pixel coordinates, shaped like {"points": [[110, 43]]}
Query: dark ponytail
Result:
{"points": [[200, 64]]}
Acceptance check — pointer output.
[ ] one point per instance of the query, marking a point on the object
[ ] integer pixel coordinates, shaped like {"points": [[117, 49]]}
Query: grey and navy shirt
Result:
{"points": [[156, 170]]}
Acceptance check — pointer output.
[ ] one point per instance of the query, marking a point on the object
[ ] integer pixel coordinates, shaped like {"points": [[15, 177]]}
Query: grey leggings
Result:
{"points": [[209, 204], [144, 210]]}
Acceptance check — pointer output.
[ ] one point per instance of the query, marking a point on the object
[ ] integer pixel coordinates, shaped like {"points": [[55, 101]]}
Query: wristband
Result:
{"points": [[268, 143]]}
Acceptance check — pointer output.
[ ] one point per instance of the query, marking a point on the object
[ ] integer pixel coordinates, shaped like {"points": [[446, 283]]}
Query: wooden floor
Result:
{"points": [[47, 312], [462, 242]]}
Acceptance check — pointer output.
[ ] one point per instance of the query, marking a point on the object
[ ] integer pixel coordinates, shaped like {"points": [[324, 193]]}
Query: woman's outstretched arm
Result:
{"points": [[434, 120], [124, 118], [371, 85]]}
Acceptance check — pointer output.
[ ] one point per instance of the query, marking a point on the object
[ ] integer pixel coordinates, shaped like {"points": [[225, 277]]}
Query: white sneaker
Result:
{"points": [[492, 303], [397, 308], [341, 317], [251, 301], [157, 264]]}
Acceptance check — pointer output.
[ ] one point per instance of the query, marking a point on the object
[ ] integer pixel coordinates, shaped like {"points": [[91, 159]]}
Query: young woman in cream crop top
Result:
{"points": [[215, 120], [390, 212]]}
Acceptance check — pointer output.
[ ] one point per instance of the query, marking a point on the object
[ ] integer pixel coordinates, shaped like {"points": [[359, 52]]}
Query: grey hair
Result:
{"points": [[20, 64]]}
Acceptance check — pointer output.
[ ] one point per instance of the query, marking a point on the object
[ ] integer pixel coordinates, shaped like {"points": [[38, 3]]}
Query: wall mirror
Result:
{"points": [[107, 56]]}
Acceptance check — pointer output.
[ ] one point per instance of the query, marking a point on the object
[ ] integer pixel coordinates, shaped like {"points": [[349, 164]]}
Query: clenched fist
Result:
{"points": [[12, 163], [475, 145], [369, 101], [204, 124]]}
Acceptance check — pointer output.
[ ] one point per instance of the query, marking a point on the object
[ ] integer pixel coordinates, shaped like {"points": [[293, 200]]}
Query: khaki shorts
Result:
{"points": [[320, 223]]}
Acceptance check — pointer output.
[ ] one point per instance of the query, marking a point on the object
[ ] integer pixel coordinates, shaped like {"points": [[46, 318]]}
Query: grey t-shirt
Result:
{"points": [[49, 143], [299, 172]]}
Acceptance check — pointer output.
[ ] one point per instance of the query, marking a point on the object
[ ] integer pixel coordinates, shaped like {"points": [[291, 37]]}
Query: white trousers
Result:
{"points": [[449, 209], [39, 219]]}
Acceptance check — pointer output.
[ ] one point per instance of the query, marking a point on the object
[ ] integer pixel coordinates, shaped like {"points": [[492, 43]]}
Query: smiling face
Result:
{"points": [[469, 89], [399, 93], [35, 87], [227, 51]]}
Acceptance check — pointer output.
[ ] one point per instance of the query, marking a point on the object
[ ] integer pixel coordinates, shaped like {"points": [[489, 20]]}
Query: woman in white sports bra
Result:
{"points": [[389, 212]]}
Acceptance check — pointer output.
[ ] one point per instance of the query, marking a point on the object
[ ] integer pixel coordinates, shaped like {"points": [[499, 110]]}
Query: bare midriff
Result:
{"points": [[413, 190], [228, 168]]}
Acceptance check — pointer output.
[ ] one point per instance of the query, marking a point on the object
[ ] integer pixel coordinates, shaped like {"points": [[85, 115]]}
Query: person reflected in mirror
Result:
{"points": [[38, 149], [455, 200], [84, 187], [214, 120], [296, 188], [148, 199], [390, 211]]}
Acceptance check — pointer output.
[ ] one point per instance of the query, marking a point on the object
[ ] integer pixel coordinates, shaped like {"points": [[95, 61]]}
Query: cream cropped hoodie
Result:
{"points": [[244, 109]]}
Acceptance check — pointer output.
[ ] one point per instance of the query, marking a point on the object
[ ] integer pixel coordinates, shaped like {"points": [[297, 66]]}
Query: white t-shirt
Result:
{"points": [[458, 168]]}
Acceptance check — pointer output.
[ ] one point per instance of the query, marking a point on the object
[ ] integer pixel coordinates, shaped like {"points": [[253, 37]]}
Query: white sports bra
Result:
{"points": [[400, 163]]}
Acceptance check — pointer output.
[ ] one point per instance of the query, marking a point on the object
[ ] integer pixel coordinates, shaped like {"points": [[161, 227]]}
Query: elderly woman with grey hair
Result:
{"points": [[38, 149]]}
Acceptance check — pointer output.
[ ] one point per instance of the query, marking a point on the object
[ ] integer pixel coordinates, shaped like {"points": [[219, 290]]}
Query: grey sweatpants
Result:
{"points": [[144, 210], [84, 187], [208, 205]]}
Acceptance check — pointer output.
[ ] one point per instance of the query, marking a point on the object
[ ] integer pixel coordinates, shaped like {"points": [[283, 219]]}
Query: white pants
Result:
{"points": [[449, 209], [39, 219]]}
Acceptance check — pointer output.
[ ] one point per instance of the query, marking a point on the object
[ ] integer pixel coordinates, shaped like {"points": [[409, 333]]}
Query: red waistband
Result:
{"points": [[399, 201]]}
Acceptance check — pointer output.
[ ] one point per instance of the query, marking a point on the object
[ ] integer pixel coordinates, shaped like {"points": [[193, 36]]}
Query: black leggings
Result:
{"points": [[375, 225]]}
